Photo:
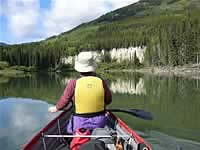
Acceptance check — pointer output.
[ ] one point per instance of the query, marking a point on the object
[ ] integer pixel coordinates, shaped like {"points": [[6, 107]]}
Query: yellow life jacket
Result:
{"points": [[89, 95]]}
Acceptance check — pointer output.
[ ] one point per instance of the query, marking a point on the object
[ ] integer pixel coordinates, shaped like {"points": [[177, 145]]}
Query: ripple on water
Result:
{"points": [[161, 141]]}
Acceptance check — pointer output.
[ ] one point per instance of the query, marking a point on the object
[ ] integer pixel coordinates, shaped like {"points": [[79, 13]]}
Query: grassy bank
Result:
{"points": [[187, 71]]}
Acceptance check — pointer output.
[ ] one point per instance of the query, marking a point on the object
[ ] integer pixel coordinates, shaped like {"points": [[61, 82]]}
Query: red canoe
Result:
{"points": [[53, 135]]}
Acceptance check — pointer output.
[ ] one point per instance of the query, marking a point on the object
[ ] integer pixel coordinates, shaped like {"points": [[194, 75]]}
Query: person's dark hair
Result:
{"points": [[87, 73]]}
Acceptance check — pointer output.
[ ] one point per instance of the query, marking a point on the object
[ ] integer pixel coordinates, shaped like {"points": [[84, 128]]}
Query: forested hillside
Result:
{"points": [[2, 44], [170, 29]]}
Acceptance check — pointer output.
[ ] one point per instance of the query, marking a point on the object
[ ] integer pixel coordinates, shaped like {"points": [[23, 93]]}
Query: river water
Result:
{"points": [[174, 102]]}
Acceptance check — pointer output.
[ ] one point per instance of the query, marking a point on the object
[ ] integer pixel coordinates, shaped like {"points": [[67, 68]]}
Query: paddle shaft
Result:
{"points": [[135, 112]]}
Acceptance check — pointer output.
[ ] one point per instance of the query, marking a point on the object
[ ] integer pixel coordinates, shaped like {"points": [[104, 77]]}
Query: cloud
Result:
{"points": [[120, 3], [27, 21], [66, 14], [22, 16]]}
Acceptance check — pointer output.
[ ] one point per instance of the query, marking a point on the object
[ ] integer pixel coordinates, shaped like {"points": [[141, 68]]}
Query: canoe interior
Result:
{"points": [[58, 127]]}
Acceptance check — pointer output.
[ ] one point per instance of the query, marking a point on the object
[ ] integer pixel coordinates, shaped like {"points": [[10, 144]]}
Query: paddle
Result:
{"points": [[135, 112]]}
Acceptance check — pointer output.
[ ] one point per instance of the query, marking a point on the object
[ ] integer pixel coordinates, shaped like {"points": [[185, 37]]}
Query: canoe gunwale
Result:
{"points": [[33, 140], [122, 125]]}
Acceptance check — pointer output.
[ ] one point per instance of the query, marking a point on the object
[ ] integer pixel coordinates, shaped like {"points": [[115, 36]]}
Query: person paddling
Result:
{"points": [[89, 93]]}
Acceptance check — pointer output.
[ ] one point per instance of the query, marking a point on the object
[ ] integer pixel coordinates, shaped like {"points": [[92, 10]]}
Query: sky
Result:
{"points": [[23, 21]]}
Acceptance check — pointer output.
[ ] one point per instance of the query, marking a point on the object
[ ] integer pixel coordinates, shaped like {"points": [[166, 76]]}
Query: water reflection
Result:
{"points": [[20, 119], [128, 87], [123, 86], [173, 101]]}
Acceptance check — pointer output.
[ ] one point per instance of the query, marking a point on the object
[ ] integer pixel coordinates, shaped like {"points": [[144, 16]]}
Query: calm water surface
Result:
{"points": [[174, 102]]}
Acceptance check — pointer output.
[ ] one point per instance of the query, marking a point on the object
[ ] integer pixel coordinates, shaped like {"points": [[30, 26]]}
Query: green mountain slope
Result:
{"points": [[141, 11], [169, 29], [149, 8], [2, 44]]}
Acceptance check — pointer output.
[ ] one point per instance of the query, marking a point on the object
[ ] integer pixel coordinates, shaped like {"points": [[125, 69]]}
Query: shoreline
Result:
{"points": [[187, 71], [191, 71]]}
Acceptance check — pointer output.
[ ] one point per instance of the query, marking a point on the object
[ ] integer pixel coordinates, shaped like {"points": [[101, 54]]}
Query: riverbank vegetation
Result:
{"points": [[14, 71]]}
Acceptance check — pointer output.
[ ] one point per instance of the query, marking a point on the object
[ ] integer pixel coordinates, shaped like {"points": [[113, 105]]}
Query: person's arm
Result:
{"points": [[65, 98], [108, 94]]}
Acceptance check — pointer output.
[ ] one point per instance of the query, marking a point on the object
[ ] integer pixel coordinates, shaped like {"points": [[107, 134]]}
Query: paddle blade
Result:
{"points": [[141, 113]]}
